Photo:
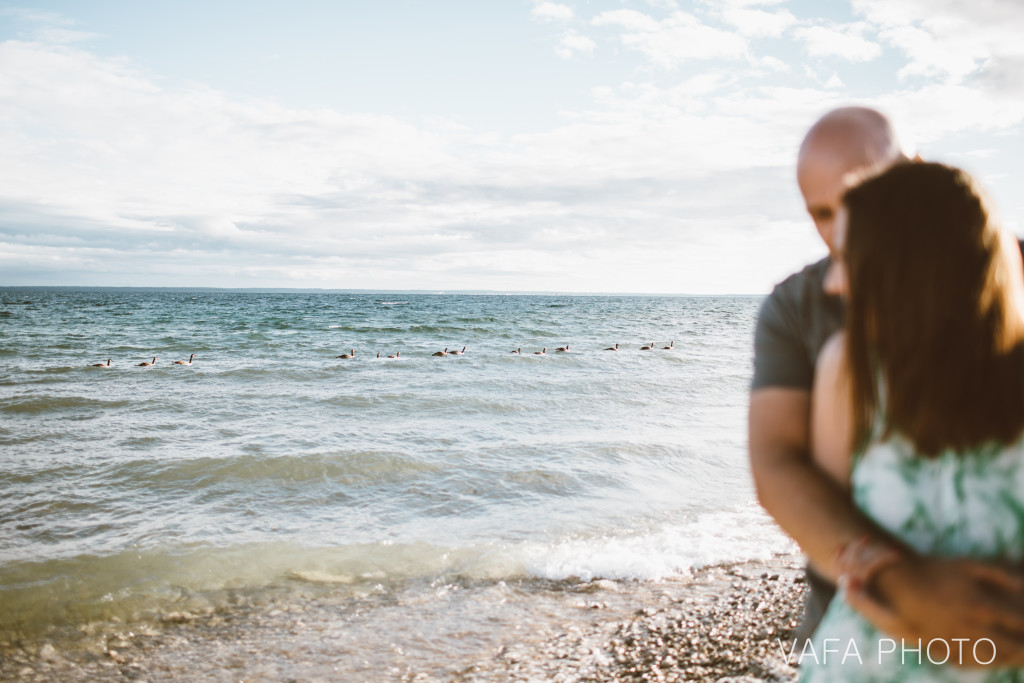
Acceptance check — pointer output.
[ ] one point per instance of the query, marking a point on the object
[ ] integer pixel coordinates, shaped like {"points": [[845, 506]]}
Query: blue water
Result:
{"points": [[270, 464]]}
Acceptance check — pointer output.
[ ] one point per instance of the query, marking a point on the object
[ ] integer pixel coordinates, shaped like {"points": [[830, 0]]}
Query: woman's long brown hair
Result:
{"points": [[933, 311]]}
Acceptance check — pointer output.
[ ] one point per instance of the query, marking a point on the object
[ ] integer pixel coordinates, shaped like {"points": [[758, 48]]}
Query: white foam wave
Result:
{"points": [[713, 538]]}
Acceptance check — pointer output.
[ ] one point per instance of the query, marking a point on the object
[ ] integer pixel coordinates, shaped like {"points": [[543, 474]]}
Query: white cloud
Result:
{"points": [[550, 11], [937, 111], [843, 41], [834, 81], [747, 3], [981, 153], [949, 38], [47, 27], [773, 63], [756, 22], [677, 39], [27, 15], [930, 57], [572, 43], [628, 19]]}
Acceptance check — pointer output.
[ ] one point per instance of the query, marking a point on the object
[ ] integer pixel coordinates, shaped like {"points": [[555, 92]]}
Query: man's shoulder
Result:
{"points": [[803, 284], [794, 322]]}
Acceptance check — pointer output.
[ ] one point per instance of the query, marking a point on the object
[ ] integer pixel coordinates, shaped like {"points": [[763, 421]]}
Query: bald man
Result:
{"points": [[906, 595]]}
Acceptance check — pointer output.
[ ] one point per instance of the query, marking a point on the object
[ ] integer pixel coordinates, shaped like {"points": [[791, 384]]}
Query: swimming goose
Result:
{"points": [[146, 365], [348, 355], [613, 348], [519, 350], [101, 365], [459, 353], [671, 345], [647, 348], [563, 349], [541, 352], [182, 362], [440, 353]]}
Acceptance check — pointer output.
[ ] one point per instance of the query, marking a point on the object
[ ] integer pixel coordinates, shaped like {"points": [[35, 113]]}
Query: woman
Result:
{"points": [[918, 406]]}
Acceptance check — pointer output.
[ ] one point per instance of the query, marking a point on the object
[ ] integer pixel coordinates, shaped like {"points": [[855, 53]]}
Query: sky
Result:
{"points": [[633, 146]]}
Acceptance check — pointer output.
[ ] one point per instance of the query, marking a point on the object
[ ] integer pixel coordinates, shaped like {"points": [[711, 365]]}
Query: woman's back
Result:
{"points": [[967, 504], [954, 504]]}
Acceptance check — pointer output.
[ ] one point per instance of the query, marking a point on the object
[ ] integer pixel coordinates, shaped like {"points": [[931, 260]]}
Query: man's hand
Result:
{"points": [[923, 598]]}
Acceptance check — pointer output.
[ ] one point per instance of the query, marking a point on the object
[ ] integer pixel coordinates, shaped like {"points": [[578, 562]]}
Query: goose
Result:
{"points": [[563, 349], [613, 348], [459, 353], [440, 353], [541, 352], [397, 354], [647, 348], [671, 345], [348, 355], [146, 365], [102, 365], [182, 362], [519, 350]]}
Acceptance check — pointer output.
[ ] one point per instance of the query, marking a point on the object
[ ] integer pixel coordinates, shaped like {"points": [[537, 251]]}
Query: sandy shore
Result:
{"points": [[726, 623]]}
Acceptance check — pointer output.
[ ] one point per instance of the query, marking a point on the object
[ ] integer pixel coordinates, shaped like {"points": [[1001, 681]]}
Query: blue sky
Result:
{"points": [[605, 145]]}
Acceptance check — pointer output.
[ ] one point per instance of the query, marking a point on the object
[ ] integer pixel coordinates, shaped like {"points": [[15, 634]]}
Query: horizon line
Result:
{"points": [[325, 290]]}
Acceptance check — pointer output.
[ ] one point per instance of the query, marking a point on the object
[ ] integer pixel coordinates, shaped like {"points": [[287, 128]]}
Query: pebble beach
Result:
{"points": [[726, 623]]}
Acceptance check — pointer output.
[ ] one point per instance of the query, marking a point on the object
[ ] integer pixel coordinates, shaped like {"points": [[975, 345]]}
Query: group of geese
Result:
{"points": [[565, 349], [446, 352], [146, 364], [542, 352], [398, 354]]}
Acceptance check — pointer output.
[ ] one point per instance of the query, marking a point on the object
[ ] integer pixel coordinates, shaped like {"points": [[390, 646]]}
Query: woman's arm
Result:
{"points": [[831, 423]]}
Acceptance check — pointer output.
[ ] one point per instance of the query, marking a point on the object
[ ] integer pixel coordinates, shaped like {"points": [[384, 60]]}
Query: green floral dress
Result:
{"points": [[958, 504]]}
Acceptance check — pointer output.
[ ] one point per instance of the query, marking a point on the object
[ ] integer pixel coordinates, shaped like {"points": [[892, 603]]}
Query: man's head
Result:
{"points": [[844, 143]]}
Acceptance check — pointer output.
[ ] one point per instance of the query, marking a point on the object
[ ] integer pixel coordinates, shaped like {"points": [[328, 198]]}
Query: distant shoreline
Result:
{"points": [[314, 290]]}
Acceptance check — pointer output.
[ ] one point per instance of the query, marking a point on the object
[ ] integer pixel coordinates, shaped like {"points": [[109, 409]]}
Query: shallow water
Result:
{"points": [[269, 466]]}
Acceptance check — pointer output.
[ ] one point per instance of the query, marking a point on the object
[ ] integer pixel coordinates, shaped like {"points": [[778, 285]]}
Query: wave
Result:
{"points": [[147, 584], [215, 473], [34, 405]]}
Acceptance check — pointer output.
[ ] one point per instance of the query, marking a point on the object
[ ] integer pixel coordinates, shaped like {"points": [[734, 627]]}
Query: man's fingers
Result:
{"points": [[999, 613], [1010, 581], [883, 618]]}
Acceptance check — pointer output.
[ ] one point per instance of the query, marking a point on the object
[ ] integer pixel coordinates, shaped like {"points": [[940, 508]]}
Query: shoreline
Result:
{"points": [[726, 625], [727, 622]]}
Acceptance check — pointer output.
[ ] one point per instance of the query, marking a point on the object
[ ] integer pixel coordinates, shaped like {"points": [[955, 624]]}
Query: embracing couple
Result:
{"points": [[887, 416]]}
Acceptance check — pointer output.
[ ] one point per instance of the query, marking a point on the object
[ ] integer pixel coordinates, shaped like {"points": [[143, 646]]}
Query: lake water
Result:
{"points": [[270, 469]]}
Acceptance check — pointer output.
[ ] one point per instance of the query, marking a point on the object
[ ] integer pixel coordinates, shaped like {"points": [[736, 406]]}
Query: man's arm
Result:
{"points": [[809, 506]]}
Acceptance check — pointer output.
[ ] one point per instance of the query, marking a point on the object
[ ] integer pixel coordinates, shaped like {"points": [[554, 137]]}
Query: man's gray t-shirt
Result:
{"points": [[795, 321]]}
